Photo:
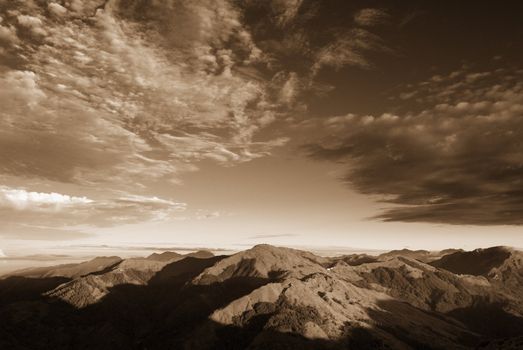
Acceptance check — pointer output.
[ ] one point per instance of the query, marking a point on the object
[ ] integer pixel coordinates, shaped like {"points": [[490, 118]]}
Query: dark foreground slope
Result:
{"points": [[263, 298]]}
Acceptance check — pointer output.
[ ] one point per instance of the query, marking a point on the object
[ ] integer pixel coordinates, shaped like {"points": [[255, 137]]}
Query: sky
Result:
{"points": [[337, 125]]}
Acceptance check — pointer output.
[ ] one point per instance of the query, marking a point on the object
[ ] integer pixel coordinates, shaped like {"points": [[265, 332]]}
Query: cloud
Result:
{"points": [[129, 96], [131, 209], [33, 24], [8, 34], [205, 214], [20, 88], [369, 17], [455, 157], [108, 93], [286, 10], [288, 87], [34, 214], [22, 199], [2, 254], [349, 49], [57, 9], [302, 38]]}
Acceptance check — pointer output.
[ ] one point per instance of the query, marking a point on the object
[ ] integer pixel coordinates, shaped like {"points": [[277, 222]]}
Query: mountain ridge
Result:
{"points": [[268, 297]]}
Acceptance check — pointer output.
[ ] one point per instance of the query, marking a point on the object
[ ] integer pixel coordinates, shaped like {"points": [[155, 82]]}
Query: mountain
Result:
{"points": [[89, 289], [321, 306], [413, 254], [269, 297], [421, 255], [479, 262], [501, 266], [165, 256], [201, 254], [356, 259], [263, 261], [417, 283]]}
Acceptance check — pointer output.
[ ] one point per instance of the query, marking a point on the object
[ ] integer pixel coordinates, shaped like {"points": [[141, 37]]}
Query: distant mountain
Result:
{"points": [[165, 256], [421, 255], [414, 254], [70, 270], [357, 259], [270, 298], [89, 289], [479, 262], [418, 283], [200, 254]]}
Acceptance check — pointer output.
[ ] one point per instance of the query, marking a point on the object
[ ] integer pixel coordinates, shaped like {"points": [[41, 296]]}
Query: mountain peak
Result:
{"points": [[201, 254], [263, 261], [165, 256]]}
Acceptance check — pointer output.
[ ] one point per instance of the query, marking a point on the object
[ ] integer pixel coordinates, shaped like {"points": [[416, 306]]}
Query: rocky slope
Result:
{"points": [[419, 284], [502, 267], [264, 261], [479, 262], [90, 288], [321, 306], [272, 298]]}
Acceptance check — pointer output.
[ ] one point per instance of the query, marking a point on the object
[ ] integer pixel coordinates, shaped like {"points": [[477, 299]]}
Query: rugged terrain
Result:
{"points": [[270, 298]]}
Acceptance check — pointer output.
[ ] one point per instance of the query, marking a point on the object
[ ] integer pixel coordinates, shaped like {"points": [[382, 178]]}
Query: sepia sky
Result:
{"points": [[215, 123]]}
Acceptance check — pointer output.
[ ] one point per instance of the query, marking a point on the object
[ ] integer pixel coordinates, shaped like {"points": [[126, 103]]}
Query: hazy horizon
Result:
{"points": [[62, 256]]}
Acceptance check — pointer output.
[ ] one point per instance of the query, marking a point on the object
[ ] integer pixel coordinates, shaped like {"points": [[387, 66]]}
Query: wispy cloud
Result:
{"points": [[28, 214], [349, 49], [369, 17]]}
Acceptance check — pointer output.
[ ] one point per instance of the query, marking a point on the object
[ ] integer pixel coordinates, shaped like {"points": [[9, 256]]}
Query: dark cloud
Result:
{"points": [[457, 159], [306, 37]]}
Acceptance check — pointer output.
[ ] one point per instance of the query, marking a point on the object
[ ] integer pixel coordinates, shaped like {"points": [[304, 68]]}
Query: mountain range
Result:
{"points": [[269, 297]]}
